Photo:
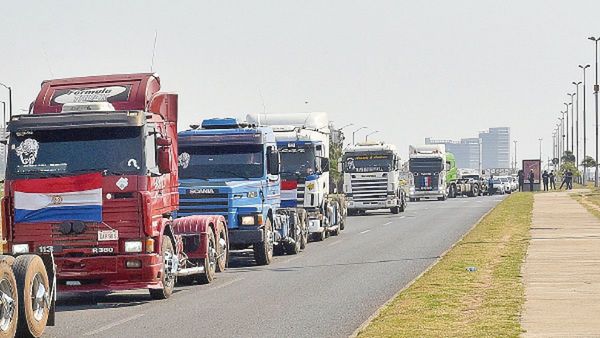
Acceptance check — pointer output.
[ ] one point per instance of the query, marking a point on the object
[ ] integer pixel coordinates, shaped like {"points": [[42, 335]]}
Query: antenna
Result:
{"points": [[153, 51], [263, 104]]}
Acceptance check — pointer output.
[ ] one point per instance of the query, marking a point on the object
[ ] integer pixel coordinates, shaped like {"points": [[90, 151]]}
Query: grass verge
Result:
{"points": [[449, 301], [590, 200]]}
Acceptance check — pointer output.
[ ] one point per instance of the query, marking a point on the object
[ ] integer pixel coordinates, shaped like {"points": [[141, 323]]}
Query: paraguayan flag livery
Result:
{"points": [[74, 198]]}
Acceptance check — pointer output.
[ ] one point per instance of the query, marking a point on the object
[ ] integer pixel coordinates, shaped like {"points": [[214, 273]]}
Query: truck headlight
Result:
{"points": [[247, 220], [20, 248], [252, 194], [133, 246]]}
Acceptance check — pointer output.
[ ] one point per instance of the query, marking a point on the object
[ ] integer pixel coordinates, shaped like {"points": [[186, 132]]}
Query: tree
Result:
{"points": [[336, 144], [568, 157], [588, 162], [569, 166]]}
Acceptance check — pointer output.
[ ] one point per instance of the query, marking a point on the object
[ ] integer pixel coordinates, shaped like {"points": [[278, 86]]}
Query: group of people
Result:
{"points": [[548, 179]]}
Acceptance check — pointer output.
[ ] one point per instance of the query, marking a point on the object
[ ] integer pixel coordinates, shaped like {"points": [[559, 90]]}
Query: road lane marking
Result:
{"points": [[111, 325], [390, 222], [364, 232], [334, 243], [227, 283]]}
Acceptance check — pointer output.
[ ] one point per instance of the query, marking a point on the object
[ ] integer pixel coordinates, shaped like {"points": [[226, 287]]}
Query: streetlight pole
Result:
{"points": [[572, 124], [9, 99], [596, 100], [567, 112], [354, 132], [584, 125], [540, 139], [369, 134], [577, 124]]}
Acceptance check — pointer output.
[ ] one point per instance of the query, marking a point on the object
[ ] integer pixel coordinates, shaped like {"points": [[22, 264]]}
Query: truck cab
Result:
{"points": [[303, 144], [372, 178], [231, 168], [92, 178], [429, 167]]}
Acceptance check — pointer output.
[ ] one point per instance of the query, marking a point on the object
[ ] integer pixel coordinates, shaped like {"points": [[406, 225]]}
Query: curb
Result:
{"points": [[378, 311]]}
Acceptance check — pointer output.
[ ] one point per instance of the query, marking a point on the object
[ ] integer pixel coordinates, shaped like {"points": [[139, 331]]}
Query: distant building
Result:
{"points": [[491, 150], [495, 148], [466, 151]]}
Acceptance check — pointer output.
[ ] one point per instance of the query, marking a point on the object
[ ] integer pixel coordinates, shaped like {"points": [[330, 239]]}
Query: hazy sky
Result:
{"points": [[410, 69]]}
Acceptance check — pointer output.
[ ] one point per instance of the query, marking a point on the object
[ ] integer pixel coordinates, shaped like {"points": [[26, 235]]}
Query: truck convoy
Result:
{"points": [[372, 178], [231, 168], [91, 178], [303, 143]]}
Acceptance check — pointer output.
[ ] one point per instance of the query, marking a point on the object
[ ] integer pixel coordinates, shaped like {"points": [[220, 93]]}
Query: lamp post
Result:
{"points": [[577, 123], [583, 68], [596, 108], [9, 99], [348, 125], [369, 134], [572, 123], [540, 139], [562, 138], [567, 123], [354, 132]]}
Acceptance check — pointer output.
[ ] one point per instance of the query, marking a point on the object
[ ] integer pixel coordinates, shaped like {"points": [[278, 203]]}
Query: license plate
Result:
{"points": [[108, 235]]}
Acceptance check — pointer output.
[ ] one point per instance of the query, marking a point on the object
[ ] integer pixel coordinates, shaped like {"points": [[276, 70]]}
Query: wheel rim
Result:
{"points": [[212, 255], [269, 234], [7, 304], [169, 269], [38, 297]]}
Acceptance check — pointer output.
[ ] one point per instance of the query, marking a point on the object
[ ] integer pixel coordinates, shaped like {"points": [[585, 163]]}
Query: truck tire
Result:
{"points": [[294, 248], [402, 204], [263, 251], [168, 283], [222, 249], [452, 191], [395, 210], [33, 289], [210, 262], [9, 313]]}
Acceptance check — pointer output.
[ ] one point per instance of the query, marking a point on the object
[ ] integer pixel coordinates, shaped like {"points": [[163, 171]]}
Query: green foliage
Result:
{"points": [[569, 166], [568, 157], [335, 155], [588, 162]]}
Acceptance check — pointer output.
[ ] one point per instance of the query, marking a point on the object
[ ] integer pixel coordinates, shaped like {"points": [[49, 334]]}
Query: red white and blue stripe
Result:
{"points": [[289, 194], [74, 198]]}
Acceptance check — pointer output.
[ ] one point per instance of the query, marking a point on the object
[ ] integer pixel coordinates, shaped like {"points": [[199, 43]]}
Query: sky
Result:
{"points": [[408, 69]]}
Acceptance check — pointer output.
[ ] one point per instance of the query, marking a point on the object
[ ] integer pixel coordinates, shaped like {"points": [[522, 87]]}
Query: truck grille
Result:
{"points": [[369, 189], [197, 204], [301, 188]]}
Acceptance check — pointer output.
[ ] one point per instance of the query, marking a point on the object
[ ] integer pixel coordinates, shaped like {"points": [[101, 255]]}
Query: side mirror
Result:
{"points": [[164, 160], [164, 141], [324, 164], [272, 162]]}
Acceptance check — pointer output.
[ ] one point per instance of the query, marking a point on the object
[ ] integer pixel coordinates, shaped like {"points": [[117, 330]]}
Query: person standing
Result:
{"points": [[545, 177], [569, 177], [552, 180], [531, 177], [521, 176]]}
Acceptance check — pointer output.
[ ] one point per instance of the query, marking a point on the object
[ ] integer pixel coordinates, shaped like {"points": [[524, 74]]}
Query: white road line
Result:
{"points": [[334, 243], [388, 223], [227, 283], [364, 232], [111, 325]]}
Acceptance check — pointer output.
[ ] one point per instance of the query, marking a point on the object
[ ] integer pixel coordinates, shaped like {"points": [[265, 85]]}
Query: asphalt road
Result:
{"points": [[326, 291]]}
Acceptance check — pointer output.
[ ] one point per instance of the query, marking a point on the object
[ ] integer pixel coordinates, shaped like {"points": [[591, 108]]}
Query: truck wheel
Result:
{"points": [[402, 204], [222, 249], [452, 192], [9, 300], [395, 210], [263, 251], [210, 262], [168, 282], [34, 295], [342, 222]]}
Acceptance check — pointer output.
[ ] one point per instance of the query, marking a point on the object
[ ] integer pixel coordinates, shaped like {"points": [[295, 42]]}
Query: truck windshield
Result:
{"points": [[425, 165], [361, 163], [299, 161], [45, 153], [222, 161]]}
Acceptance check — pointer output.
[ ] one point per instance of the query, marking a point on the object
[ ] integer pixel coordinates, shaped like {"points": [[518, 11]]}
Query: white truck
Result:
{"points": [[303, 144], [372, 178], [429, 168]]}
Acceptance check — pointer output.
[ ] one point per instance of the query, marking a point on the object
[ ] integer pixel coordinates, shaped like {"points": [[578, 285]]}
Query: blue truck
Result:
{"points": [[231, 168]]}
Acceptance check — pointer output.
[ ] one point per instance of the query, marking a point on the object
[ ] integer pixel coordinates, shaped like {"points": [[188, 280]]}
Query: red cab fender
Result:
{"points": [[199, 225]]}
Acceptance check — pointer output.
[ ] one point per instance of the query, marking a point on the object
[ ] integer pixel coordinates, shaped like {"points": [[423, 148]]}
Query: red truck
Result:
{"points": [[92, 178]]}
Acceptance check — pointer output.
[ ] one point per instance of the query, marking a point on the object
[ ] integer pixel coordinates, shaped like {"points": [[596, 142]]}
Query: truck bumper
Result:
{"points": [[373, 205], [426, 194], [245, 236], [107, 273]]}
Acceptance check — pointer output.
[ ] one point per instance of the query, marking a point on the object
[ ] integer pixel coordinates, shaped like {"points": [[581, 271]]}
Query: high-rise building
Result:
{"points": [[466, 151], [495, 148]]}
